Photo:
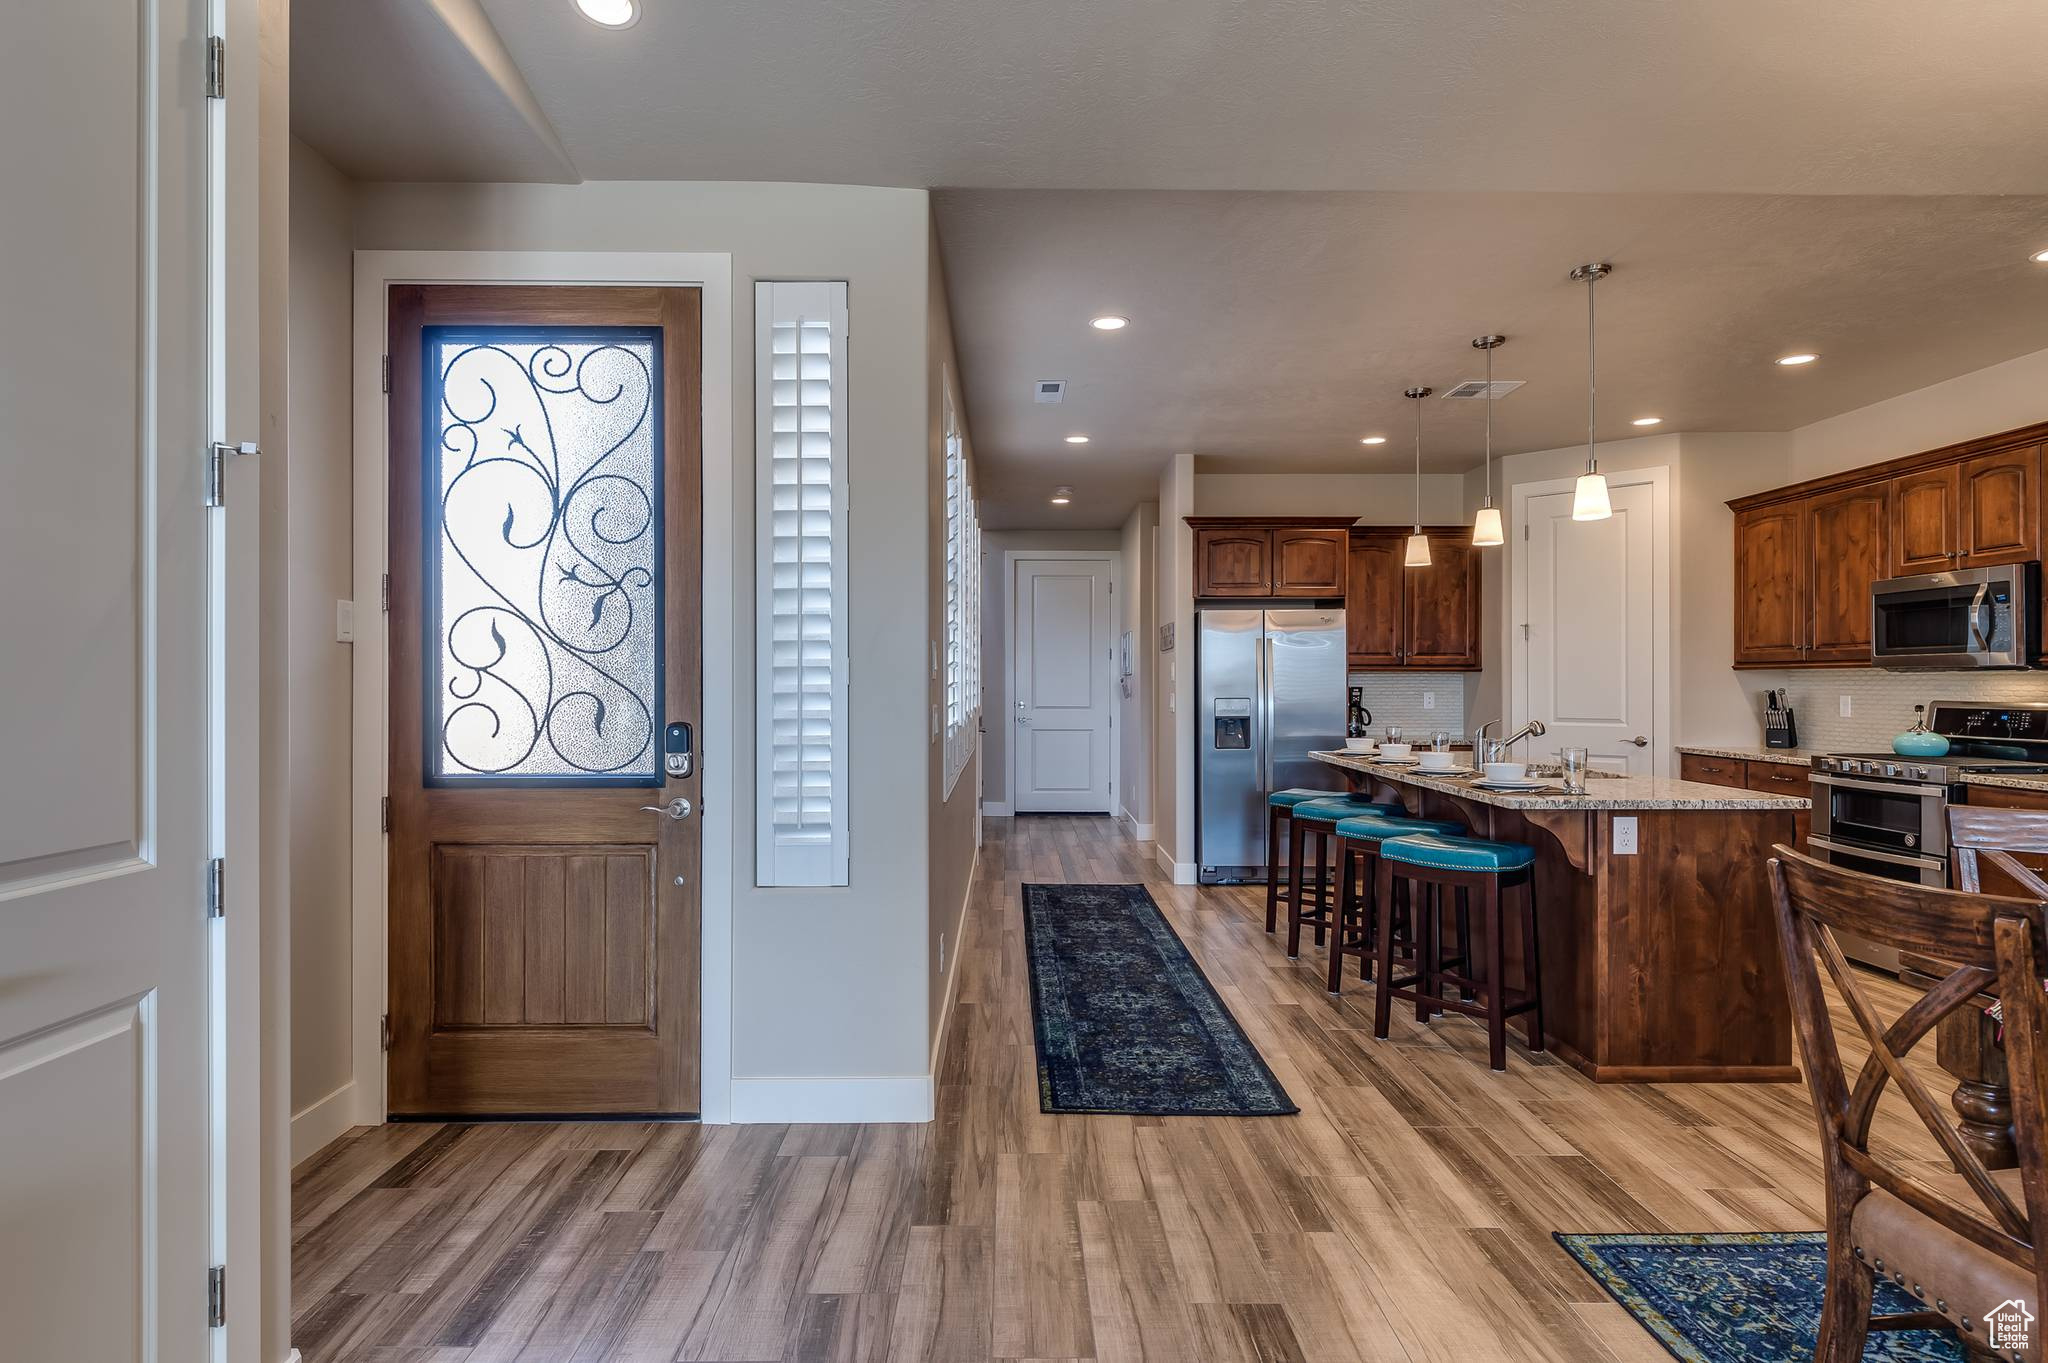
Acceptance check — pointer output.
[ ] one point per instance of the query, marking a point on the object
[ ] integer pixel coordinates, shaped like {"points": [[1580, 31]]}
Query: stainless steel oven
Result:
{"points": [[1969, 618]]}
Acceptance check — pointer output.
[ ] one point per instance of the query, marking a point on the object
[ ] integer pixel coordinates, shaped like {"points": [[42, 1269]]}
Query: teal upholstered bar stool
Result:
{"points": [[1317, 819], [1433, 863], [1354, 933], [1279, 806]]}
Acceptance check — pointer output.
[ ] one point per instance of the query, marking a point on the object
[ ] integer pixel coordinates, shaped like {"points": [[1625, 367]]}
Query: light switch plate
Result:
{"points": [[1848, 704], [344, 622], [1624, 835]]}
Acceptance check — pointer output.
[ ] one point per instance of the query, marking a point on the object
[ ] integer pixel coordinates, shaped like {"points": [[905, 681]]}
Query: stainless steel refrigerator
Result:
{"points": [[1269, 690]]}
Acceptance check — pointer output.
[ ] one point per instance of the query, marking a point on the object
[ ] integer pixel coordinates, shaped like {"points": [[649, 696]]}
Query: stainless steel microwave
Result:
{"points": [[1969, 618]]}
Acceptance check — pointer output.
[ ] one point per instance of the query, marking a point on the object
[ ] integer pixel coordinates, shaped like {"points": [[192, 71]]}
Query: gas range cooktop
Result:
{"points": [[2011, 739]]}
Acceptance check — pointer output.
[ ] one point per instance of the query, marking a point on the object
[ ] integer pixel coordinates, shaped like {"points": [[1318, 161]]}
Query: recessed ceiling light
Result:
{"points": [[1109, 322], [1077, 440], [610, 13], [2039, 257], [1062, 495], [1797, 359], [1647, 421], [1374, 440]]}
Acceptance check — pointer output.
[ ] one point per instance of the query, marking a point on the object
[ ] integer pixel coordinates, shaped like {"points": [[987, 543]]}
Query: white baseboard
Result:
{"points": [[1141, 831], [959, 941], [995, 809], [1182, 872], [292, 1357], [829, 1098], [318, 1124]]}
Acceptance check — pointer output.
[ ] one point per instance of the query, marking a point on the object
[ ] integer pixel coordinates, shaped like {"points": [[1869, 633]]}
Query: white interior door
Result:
{"points": [[104, 786], [1063, 700], [1591, 643]]}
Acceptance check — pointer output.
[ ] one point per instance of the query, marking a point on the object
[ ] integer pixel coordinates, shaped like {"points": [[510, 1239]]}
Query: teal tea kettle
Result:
{"points": [[1920, 741]]}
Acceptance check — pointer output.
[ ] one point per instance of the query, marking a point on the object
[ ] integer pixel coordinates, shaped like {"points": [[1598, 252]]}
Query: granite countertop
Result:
{"points": [[1606, 791], [2036, 781], [1791, 757]]}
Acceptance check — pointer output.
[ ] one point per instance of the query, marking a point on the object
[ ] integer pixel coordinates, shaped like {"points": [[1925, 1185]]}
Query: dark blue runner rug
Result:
{"points": [[1125, 1020], [1742, 1298]]}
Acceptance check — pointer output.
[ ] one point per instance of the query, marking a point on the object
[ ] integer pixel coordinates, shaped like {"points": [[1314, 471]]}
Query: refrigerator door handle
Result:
{"points": [[1266, 715]]}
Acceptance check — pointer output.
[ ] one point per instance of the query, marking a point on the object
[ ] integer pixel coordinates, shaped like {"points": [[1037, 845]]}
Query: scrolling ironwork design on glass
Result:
{"points": [[544, 550]]}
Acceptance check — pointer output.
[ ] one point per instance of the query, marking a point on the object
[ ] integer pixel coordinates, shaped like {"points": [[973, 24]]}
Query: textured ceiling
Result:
{"points": [[1379, 182], [1271, 331], [1859, 96]]}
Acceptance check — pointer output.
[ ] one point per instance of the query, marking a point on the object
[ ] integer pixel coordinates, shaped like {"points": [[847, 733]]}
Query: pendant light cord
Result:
{"points": [[1592, 368], [1489, 426], [1418, 465]]}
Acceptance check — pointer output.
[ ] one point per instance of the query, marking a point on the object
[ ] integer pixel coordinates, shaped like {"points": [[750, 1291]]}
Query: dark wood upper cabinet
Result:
{"points": [[1233, 562], [1372, 601], [1999, 503], [1269, 556], [1440, 606], [1770, 586], [1806, 555], [1309, 562], [1847, 549], [1924, 521]]}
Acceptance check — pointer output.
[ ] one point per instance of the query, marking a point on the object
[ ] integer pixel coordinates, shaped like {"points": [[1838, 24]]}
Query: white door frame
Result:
{"points": [[375, 273], [1663, 601], [1012, 558]]}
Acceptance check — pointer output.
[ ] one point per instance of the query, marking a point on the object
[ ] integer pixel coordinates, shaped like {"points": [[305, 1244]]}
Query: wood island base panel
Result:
{"points": [[1661, 965]]}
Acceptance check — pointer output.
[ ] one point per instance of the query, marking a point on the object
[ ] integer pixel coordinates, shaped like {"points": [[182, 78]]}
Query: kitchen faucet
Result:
{"points": [[1533, 729]]}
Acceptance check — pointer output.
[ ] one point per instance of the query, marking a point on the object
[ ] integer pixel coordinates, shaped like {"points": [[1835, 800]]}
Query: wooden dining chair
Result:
{"points": [[1973, 1267], [1994, 835]]}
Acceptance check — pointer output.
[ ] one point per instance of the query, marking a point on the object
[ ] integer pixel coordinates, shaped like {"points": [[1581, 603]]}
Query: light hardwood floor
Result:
{"points": [[1406, 1214]]}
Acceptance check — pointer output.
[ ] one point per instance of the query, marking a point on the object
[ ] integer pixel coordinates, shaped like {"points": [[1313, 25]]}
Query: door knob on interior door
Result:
{"points": [[1639, 741], [678, 808]]}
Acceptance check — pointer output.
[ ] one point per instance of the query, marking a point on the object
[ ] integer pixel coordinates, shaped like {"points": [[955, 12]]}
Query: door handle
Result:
{"points": [[678, 808], [1638, 740]]}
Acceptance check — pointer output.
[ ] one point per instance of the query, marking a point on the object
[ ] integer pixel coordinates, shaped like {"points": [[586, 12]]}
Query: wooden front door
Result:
{"points": [[545, 629]]}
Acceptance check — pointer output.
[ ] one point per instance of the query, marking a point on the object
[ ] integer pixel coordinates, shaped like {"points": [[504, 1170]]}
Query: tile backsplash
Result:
{"points": [[1396, 698], [1881, 703]]}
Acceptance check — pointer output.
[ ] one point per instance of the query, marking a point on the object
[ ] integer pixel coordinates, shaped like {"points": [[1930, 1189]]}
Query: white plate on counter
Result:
{"points": [[1522, 786], [1421, 770], [1398, 761]]}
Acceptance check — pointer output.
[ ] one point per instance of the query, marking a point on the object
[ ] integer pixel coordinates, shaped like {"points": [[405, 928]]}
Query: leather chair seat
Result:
{"points": [[1443, 852], [1942, 1270], [1378, 828], [1334, 811], [1287, 799]]}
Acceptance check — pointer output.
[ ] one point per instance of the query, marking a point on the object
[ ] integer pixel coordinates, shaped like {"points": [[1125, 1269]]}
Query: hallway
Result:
{"points": [[1405, 1214]]}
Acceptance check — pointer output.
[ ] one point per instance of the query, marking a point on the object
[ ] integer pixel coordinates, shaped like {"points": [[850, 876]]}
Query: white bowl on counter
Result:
{"points": [[1438, 761], [1396, 750], [1357, 745], [1505, 771]]}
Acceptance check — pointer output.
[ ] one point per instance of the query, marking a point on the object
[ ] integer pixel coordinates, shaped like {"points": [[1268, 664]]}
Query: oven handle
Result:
{"points": [[1918, 791], [1924, 863]]}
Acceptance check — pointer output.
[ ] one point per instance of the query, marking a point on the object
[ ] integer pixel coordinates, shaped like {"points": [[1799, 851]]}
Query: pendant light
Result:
{"points": [[1589, 498], [1418, 543], [1486, 529]]}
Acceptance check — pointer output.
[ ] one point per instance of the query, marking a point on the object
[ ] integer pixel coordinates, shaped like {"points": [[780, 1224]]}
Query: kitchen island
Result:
{"points": [[1661, 964]]}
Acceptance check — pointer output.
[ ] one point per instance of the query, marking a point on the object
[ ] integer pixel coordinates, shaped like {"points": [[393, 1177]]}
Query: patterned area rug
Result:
{"points": [[1748, 1298], [1124, 1018]]}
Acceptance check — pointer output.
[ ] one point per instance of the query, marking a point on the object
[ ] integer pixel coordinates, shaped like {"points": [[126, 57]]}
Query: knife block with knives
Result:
{"points": [[1781, 730]]}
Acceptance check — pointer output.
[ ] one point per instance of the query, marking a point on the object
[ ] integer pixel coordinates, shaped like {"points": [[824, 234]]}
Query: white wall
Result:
{"points": [[1173, 742], [1136, 612], [999, 548], [318, 696], [828, 984], [1375, 498]]}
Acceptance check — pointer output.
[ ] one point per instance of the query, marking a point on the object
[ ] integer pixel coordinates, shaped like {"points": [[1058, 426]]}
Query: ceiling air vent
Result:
{"points": [[1476, 388], [1049, 390]]}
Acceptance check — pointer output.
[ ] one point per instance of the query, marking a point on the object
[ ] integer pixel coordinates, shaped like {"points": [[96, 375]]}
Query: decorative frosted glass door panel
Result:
{"points": [[543, 503]]}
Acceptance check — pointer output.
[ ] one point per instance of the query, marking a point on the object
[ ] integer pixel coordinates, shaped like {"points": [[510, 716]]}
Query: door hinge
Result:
{"points": [[387, 594], [217, 1296], [386, 813], [216, 68], [384, 1032], [387, 373], [216, 902], [1525, 631], [216, 468], [1525, 529]]}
